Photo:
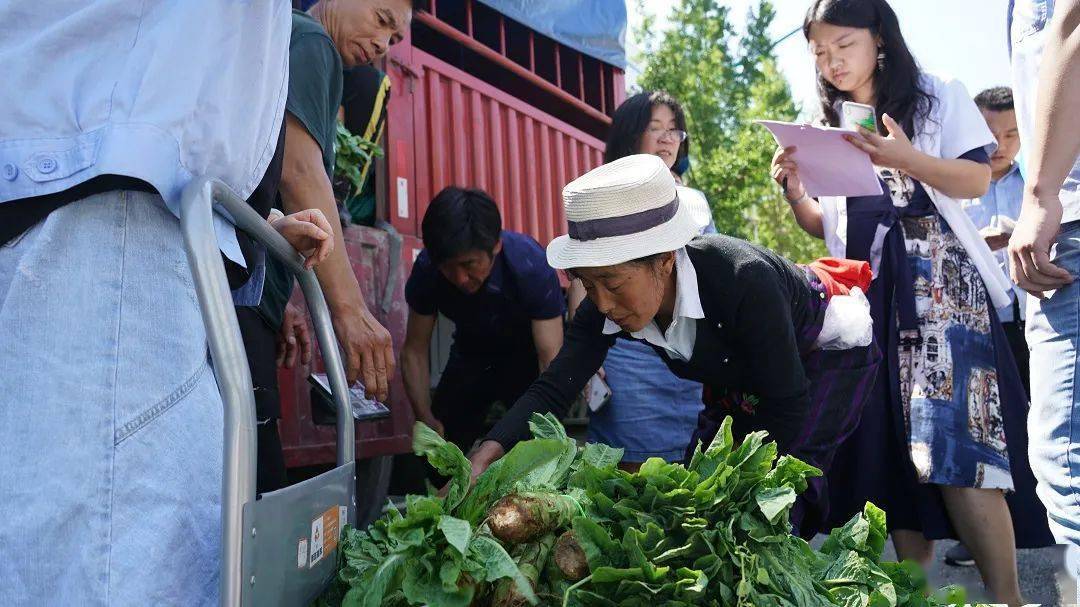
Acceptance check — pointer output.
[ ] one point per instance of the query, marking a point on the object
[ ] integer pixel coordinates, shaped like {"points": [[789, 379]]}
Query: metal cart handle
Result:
{"points": [[197, 204]]}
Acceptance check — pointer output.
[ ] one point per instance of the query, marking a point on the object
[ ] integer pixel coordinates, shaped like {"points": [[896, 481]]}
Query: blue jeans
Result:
{"points": [[1054, 420], [110, 416]]}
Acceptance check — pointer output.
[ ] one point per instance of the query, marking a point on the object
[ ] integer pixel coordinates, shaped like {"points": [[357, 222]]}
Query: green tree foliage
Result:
{"points": [[725, 80]]}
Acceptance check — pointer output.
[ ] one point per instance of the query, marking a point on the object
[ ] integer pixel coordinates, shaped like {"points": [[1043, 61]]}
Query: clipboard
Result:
{"points": [[828, 164]]}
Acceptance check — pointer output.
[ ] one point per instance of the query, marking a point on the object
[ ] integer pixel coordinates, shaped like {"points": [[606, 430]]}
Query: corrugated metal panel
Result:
{"points": [[468, 133]]}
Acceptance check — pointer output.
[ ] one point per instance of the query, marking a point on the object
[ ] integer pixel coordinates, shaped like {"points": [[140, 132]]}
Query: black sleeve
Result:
{"points": [[979, 155], [583, 351], [766, 334]]}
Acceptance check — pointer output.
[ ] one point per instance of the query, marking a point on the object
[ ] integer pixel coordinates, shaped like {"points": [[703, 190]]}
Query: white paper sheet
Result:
{"points": [[828, 165]]}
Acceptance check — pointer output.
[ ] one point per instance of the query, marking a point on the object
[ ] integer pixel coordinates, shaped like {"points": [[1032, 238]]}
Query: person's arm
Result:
{"points": [[416, 367], [954, 177], [368, 348], [765, 333], [1055, 146], [807, 211], [548, 337], [553, 392]]}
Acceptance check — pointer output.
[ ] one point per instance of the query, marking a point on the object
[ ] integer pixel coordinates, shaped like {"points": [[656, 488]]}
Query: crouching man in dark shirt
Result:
{"points": [[506, 304]]}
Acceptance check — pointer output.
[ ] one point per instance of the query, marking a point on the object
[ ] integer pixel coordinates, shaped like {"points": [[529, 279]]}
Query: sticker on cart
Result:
{"points": [[325, 531], [302, 553]]}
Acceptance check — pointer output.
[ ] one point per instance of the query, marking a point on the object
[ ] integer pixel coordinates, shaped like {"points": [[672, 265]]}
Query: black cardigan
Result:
{"points": [[758, 319]]}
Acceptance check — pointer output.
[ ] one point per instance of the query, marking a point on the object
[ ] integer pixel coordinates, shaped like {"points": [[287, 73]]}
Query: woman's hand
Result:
{"points": [[786, 173], [483, 456], [894, 151], [309, 233]]}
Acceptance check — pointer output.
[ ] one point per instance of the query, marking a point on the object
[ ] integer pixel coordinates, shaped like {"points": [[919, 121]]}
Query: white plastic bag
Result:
{"points": [[848, 323]]}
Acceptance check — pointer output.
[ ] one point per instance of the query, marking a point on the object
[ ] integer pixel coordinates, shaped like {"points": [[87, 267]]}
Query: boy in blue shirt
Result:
{"points": [[996, 212]]}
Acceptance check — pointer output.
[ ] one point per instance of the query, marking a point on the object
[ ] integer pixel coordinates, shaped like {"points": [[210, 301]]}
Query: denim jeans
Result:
{"points": [[1054, 420], [110, 417]]}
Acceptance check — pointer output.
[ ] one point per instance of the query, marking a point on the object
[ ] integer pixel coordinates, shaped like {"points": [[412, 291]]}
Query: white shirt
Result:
{"points": [[158, 90], [678, 340], [1030, 20]]}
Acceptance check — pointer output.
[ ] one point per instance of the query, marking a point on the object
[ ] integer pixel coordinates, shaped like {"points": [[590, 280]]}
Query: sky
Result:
{"points": [[960, 38]]}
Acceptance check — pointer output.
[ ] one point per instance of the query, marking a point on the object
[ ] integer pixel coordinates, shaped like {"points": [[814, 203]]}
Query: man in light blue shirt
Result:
{"points": [[995, 214], [1044, 251], [110, 416]]}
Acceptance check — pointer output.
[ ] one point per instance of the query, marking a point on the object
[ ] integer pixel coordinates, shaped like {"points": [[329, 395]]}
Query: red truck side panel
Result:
{"points": [[466, 132]]}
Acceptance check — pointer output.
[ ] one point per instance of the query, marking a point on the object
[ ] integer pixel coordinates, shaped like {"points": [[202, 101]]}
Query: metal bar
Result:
{"points": [[479, 159], [558, 65], [532, 52], [603, 87], [459, 169], [451, 32], [498, 167], [468, 18], [547, 202], [437, 120], [531, 214], [560, 180], [581, 78], [233, 377], [515, 199], [335, 369], [197, 203], [502, 35]]}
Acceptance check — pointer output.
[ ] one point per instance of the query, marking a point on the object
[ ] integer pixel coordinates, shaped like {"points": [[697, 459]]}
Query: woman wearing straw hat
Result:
{"points": [[718, 310]]}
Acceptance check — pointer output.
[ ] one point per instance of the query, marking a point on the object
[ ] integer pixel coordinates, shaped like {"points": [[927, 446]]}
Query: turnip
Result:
{"points": [[523, 517], [570, 558]]}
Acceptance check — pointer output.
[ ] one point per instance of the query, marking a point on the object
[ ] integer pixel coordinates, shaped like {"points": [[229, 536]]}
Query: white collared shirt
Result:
{"points": [[678, 340]]}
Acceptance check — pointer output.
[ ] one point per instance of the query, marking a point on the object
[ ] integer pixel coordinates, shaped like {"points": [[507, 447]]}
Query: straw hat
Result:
{"points": [[621, 211]]}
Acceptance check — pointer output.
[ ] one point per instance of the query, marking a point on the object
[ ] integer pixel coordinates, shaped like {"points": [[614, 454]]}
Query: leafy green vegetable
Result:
{"points": [[503, 475], [713, 533], [446, 458], [351, 153]]}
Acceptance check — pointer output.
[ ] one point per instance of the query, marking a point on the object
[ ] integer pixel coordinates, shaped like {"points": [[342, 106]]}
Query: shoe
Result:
{"points": [[958, 556]]}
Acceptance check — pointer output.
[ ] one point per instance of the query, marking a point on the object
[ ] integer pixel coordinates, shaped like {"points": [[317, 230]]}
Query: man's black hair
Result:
{"points": [[460, 220], [997, 99]]}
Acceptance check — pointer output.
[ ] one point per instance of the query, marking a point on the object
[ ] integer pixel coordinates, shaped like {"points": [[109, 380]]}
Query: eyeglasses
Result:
{"points": [[659, 134]]}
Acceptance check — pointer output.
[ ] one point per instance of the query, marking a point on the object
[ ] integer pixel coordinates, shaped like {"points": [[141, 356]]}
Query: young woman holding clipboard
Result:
{"points": [[943, 440]]}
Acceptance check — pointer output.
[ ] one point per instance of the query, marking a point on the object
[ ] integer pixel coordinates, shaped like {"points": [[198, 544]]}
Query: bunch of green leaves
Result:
{"points": [[439, 552], [428, 556], [852, 570], [351, 154], [717, 532], [713, 533]]}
